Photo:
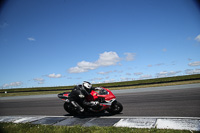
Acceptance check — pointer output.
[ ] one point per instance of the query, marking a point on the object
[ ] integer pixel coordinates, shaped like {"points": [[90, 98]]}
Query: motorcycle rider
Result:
{"points": [[78, 96]]}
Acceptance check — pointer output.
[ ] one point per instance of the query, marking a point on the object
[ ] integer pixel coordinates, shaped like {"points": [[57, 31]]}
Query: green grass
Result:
{"points": [[178, 80], [30, 128], [114, 88]]}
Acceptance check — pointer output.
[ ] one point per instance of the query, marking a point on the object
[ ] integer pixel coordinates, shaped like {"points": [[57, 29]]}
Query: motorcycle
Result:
{"points": [[107, 102]]}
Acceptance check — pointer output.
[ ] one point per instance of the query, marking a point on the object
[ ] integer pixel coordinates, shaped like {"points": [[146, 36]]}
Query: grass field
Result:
{"points": [[30, 128], [178, 80]]}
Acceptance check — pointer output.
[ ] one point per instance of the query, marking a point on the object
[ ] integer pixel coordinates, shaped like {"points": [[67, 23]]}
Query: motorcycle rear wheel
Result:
{"points": [[70, 109]]}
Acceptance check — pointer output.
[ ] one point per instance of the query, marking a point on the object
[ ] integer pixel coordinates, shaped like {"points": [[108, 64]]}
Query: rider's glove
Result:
{"points": [[94, 103]]}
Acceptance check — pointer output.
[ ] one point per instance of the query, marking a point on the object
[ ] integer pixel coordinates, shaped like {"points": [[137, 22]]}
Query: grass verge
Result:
{"points": [[114, 88], [30, 128]]}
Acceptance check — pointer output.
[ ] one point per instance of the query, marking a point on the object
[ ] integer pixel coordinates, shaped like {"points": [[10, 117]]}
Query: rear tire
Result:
{"points": [[70, 109], [115, 108]]}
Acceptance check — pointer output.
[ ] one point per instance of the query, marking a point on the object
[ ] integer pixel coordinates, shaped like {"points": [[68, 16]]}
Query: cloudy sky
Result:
{"points": [[65, 42]]}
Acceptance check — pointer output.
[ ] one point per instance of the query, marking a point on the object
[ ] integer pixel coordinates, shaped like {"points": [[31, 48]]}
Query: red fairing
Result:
{"points": [[66, 94], [110, 96], [94, 95]]}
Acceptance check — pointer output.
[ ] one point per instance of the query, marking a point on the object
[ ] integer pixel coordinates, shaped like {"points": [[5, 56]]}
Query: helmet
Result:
{"points": [[87, 85]]}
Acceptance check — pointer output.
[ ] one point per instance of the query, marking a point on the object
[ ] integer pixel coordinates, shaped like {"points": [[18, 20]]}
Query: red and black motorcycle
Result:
{"points": [[107, 102]]}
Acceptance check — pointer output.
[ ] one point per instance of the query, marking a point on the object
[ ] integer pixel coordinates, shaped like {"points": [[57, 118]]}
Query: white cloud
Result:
{"points": [[163, 73], [196, 63], [130, 56], [129, 74], [39, 80], [13, 84], [53, 75], [76, 70], [31, 39], [108, 59], [198, 38], [126, 79], [145, 76], [104, 73], [109, 81], [164, 50], [83, 66], [94, 79], [138, 73], [173, 73], [160, 64], [96, 82], [192, 71], [105, 59], [166, 74]]}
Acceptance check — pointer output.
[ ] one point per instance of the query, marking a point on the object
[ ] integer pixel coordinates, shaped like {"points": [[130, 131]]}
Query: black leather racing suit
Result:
{"points": [[78, 97]]}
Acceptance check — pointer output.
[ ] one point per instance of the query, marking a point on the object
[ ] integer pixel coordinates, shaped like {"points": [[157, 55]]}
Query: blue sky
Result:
{"points": [[64, 42]]}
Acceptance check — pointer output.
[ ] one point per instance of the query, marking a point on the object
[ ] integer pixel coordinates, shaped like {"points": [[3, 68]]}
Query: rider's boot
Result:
{"points": [[76, 105]]}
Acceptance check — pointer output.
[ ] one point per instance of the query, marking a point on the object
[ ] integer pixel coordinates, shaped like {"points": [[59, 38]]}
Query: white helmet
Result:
{"points": [[87, 85]]}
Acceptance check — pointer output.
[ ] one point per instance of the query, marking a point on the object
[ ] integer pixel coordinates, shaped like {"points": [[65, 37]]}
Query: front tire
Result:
{"points": [[115, 108]]}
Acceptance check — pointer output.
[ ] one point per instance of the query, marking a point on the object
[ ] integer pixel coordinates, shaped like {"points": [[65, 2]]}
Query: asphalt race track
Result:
{"points": [[181, 101]]}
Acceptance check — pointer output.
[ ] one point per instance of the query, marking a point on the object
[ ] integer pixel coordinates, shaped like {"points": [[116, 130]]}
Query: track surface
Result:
{"points": [[166, 102]]}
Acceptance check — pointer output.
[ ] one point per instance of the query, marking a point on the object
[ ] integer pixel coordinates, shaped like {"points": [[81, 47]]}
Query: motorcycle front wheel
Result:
{"points": [[115, 108]]}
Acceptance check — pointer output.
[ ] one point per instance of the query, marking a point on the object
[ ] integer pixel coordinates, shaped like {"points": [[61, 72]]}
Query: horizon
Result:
{"points": [[100, 83]]}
